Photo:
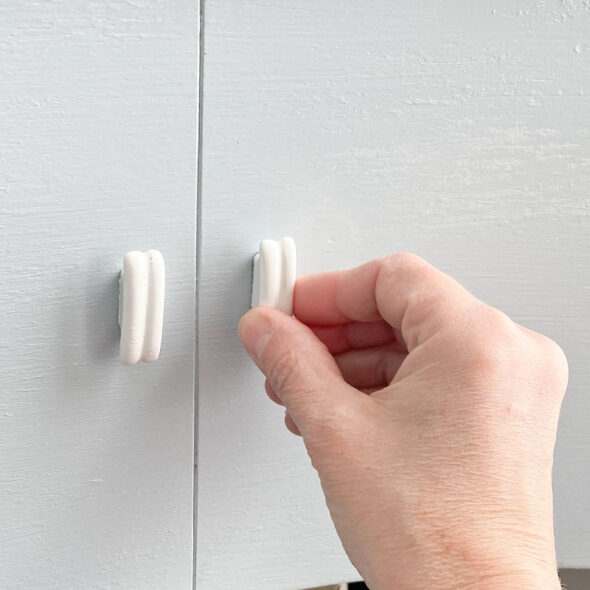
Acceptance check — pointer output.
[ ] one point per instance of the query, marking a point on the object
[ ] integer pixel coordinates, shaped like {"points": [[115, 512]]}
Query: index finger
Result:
{"points": [[337, 297], [403, 289]]}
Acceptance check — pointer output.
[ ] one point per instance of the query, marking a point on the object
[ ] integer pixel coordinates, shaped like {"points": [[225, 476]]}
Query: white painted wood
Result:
{"points": [[458, 130], [97, 149]]}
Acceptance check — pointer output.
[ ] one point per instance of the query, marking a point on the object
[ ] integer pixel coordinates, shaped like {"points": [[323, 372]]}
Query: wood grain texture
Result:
{"points": [[458, 130], [97, 149]]}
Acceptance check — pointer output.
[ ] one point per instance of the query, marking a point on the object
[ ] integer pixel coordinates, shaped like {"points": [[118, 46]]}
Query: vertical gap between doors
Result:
{"points": [[199, 168]]}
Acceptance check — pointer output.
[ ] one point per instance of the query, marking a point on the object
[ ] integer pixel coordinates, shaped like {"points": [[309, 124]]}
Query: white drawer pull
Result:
{"points": [[141, 306], [273, 280]]}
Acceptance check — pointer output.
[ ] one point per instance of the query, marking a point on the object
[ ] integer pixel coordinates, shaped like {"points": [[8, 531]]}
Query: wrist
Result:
{"points": [[524, 580], [471, 565]]}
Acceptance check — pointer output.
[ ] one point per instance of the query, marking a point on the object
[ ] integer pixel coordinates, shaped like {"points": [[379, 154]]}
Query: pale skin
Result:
{"points": [[431, 419]]}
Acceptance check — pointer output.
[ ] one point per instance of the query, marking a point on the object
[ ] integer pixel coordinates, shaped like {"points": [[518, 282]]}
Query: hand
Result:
{"points": [[431, 419]]}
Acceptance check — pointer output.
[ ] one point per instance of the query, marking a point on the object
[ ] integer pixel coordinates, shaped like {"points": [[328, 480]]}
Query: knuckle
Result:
{"points": [[496, 331], [282, 373], [485, 363], [494, 343], [553, 361], [402, 261], [343, 426], [557, 355], [498, 323], [511, 360]]}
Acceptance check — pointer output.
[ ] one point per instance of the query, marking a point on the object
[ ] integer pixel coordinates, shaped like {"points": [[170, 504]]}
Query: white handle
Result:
{"points": [[141, 306], [274, 275]]}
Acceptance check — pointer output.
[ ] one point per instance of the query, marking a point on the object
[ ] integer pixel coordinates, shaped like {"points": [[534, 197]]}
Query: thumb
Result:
{"points": [[298, 366]]}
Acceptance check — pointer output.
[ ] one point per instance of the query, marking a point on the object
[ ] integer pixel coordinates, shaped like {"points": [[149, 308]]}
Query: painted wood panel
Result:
{"points": [[97, 149], [458, 130]]}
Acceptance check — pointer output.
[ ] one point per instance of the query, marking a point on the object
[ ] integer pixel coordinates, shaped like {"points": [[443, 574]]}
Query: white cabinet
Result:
{"points": [[97, 157], [457, 130]]}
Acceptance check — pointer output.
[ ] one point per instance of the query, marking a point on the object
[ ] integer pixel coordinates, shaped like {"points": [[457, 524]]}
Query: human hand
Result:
{"points": [[431, 420]]}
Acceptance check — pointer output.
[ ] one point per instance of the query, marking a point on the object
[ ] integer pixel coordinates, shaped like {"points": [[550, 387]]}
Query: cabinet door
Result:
{"points": [[97, 144], [457, 130]]}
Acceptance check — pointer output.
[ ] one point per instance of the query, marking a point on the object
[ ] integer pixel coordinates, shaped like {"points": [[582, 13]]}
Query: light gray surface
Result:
{"points": [[458, 130], [97, 151]]}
